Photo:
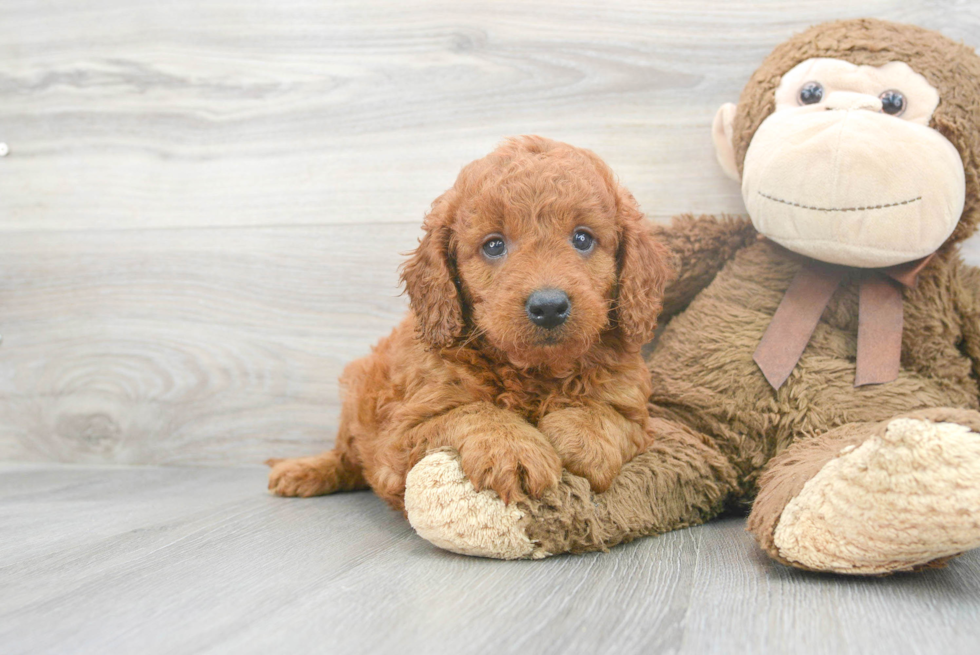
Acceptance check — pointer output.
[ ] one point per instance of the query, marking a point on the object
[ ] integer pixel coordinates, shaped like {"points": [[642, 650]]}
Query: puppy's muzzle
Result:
{"points": [[548, 308]]}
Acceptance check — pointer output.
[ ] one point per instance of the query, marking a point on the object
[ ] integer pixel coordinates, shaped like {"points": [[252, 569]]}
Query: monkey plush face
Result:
{"points": [[846, 164]]}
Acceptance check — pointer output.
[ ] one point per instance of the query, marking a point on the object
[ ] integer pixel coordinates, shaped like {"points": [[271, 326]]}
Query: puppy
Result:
{"points": [[534, 287]]}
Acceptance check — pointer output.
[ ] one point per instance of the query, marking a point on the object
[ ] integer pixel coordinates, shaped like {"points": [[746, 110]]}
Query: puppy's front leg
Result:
{"points": [[594, 441], [498, 450]]}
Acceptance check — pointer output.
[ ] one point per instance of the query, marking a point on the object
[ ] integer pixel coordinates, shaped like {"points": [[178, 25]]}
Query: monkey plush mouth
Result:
{"points": [[840, 209], [864, 189]]}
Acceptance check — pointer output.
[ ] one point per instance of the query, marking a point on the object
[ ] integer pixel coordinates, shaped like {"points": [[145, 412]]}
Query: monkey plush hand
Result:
{"points": [[821, 362]]}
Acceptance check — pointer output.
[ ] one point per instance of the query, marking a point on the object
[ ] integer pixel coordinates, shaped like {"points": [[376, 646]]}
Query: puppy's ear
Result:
{"points": [[429, 276], [644, 271]]}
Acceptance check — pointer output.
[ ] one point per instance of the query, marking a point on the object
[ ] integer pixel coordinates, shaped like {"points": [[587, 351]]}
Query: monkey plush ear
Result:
{"points": [[644, 271], [721, 134], [430, 280]]}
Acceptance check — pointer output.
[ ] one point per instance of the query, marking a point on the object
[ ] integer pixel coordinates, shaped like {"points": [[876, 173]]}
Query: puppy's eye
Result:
{"points": [[811, 93], [494, 247], [583, 241]]}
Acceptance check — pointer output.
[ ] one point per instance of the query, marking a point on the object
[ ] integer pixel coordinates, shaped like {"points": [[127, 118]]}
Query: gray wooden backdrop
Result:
{"points": [[205, 201]]}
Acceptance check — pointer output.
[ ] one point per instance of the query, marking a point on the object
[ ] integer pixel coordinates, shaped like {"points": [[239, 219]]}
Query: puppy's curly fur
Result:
{"points": [[469, 369]]}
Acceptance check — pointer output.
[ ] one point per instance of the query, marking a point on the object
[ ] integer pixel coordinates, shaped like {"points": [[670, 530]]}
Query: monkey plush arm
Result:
{"points": [[701, 246], [966, 283], [682, 479]]}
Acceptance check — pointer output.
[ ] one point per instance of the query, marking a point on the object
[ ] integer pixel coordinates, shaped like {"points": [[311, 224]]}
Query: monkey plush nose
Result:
{"points": [[850, 100], [548, 308]]}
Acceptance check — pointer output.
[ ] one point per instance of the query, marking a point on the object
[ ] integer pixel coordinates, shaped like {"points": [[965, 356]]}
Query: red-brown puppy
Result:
{"points": [[534, 287]]}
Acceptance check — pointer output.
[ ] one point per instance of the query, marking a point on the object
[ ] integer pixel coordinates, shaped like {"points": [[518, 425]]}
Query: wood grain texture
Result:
{"points": [[171, 560], [175, 346], [138, 114], [204, 202]]}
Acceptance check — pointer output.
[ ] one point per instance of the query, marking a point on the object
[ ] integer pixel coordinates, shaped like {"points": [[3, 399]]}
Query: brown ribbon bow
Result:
{"points": [[880, 319]]}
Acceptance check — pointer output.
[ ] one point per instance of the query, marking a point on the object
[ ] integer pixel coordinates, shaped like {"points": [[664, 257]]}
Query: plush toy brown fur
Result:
{"points": [[862, 480]]}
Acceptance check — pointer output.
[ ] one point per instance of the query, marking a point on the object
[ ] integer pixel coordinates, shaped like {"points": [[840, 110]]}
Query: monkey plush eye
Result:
{"points": [[494, 247], [811, 93], [892, 102], [583, 241]]}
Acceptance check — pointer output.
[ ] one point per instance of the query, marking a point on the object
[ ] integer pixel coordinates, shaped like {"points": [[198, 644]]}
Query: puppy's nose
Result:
{"points": [[548, 308]]}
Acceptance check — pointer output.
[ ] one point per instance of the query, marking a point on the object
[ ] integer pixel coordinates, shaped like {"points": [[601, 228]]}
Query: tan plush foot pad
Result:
{"points": [[891, 504], [446, 510]]}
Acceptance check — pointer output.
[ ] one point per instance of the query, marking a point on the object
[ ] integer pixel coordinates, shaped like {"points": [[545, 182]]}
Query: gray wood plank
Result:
{"points": [[257, 112], [169, 346], [171, 560]]}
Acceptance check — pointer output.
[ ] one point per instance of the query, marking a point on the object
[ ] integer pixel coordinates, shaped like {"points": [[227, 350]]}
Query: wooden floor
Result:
{"points": [[196, 560]]}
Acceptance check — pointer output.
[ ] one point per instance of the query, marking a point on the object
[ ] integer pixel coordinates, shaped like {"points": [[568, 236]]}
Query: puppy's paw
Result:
{"points": [[516, 462], [302, 477], [584, 448]]}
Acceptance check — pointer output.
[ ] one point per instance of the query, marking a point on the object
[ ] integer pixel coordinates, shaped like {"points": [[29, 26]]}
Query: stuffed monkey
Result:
{"points": [[822, 361]]}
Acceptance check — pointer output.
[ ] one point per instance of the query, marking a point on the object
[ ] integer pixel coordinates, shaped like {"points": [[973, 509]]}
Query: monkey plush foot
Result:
{"points": [[446, 510], [906, 497]]}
